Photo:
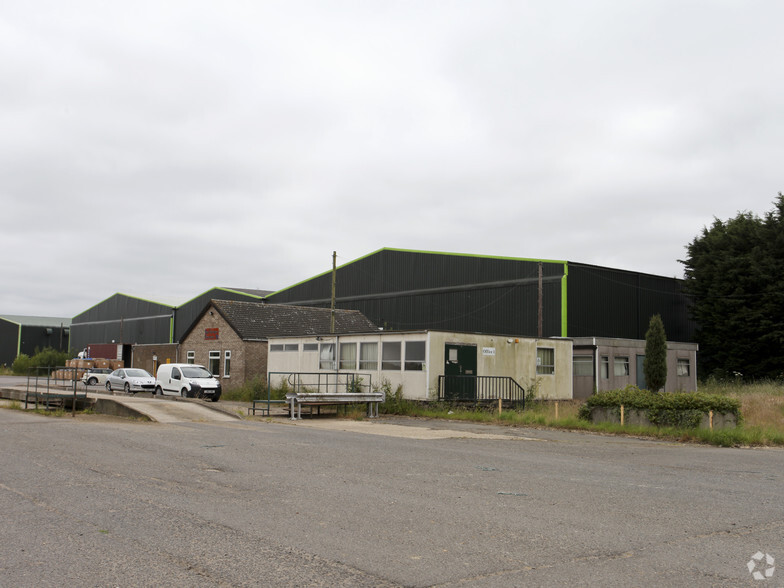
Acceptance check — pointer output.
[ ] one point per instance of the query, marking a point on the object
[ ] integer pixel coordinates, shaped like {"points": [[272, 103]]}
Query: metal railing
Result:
{"points": [[39, 388], [322, 382], [481, 389]]}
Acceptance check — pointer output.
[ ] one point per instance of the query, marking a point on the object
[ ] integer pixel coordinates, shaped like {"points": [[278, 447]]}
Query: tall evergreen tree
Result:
{"points": [[734, 274], [654, 365]]}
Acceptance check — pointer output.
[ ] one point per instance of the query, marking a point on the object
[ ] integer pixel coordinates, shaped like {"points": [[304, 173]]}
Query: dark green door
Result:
{"points": [[459, 372]]}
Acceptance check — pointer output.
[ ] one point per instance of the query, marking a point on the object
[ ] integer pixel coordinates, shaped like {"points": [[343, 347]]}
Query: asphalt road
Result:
{"points": [[98, 502]]}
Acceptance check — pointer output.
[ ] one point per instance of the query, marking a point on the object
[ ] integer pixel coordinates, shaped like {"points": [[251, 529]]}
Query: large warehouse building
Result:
{"points": [[400, 290], [127, 320]]}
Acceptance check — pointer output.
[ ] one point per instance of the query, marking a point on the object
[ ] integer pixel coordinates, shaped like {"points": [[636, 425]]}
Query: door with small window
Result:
{"points": [[460, 372]]}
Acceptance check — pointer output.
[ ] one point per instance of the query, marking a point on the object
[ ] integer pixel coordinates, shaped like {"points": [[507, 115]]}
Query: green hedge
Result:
{"points": [[676, 409]]}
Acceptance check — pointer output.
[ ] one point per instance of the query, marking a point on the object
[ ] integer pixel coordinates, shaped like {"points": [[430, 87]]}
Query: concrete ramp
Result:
{"points": [[173, 411]]}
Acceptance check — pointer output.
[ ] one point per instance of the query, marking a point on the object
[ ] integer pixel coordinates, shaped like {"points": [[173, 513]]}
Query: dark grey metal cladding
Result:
{"points": [[189, 313], [122, 319], [416, 290], [604, 302], [9, 341]]}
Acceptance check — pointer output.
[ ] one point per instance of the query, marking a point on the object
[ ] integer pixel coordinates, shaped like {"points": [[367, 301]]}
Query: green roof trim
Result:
{"points": [[423, 252], [257, 297], [126, 296], [564, 300]]}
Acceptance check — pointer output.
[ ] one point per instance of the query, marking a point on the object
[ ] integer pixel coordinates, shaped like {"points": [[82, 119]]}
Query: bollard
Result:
{"points": [[556, 410], [499, 406], [710, 418], [621, 414]]}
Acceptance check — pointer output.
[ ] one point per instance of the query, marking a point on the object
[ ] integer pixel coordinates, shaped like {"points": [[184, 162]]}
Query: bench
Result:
{"points": [[263, 405], [296, 401]]}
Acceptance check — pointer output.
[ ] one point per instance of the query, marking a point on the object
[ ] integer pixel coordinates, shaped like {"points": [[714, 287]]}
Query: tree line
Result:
{"points": [[734, 273]]}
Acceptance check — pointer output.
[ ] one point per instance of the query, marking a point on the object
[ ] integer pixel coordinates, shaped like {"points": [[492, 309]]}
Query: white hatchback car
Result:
{"points": [[130, 381], [95, 376]]}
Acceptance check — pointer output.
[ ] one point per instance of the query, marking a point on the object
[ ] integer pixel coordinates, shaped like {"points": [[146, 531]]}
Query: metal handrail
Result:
{"points": [[477, 389]]}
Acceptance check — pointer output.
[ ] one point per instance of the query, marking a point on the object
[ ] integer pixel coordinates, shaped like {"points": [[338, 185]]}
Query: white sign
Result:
{"points": [[488, 350]]}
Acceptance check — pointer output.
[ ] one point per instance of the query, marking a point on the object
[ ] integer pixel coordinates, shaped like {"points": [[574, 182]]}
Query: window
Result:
{"points": [[621, 366], [291, 347], [310, 347], [227, 364], [605, 367], [390, 355], [368, 356], [683, 367], [327, 356], [415, 356], [214, 366], [545, 360], [348, 356], [191, 355], [582, 365], [276, 347]]}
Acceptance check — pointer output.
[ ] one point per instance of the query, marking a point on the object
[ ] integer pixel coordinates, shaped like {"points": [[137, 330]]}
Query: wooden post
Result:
{"points": [[499, 405], [621, 414], [710, 417], [556, 410]]}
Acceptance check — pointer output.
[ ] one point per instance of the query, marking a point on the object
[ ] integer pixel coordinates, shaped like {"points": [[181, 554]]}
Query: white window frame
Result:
{"points": [[543, 366], [227, 364], [214, 355], [190, 357]]}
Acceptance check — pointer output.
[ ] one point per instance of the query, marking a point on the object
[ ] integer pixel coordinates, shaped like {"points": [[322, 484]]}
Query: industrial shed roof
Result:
{"points": [[36, 321]]}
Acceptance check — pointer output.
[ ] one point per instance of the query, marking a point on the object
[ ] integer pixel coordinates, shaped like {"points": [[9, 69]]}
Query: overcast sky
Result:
{"points": [[159, 149]]}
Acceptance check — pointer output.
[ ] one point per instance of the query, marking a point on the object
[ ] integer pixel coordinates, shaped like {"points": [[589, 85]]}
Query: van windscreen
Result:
{"points": [[195, 372]]}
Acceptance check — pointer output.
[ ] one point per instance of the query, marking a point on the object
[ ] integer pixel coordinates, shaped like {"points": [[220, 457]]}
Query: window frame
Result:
{"points": [[415, 363], [214, 355], [190, 357], [389, 363], [542, 368], [227, 364], [621, 361], [368, 363], [327, 363], [345, 362], [584, 360], [681, 362]]}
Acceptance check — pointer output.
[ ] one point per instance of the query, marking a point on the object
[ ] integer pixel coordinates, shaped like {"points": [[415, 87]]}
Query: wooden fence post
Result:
{"points": [[621, 414]]}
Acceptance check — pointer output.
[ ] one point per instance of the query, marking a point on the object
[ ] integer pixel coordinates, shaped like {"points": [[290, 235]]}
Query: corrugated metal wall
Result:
{"points": [[9, 341], [122, 319], [604, 302], [417, 290]]}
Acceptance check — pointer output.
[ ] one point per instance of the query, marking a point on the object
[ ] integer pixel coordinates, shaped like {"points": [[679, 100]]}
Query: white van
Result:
{"points": [[187, 380]]}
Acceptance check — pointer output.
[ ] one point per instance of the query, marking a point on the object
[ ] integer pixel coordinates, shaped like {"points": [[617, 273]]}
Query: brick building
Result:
{"points": [[230, 337]]}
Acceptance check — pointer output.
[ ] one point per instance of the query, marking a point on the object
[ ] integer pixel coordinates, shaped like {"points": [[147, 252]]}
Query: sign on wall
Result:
{"points": [[211, 334], [488, 351]]}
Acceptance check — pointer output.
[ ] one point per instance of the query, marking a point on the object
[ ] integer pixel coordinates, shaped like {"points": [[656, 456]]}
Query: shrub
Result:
{"points": [[678, 409], [22, 364]]}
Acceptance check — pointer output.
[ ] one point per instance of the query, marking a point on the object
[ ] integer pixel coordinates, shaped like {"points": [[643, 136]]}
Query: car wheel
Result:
{"points": [[127, 388], [92, 382], [158, 391], [215, 398], [184, 393], [109, 386]]}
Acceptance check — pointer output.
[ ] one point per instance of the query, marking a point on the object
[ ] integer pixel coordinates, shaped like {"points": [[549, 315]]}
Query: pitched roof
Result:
{"points": [[36, 321], [252, 320]]}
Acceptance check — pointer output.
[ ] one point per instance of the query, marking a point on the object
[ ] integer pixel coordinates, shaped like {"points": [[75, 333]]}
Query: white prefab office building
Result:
{"points": [[432, 365]]}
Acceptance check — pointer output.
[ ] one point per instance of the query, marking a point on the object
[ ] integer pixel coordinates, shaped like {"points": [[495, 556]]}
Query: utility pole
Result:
{"points": [[332, 306]]}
